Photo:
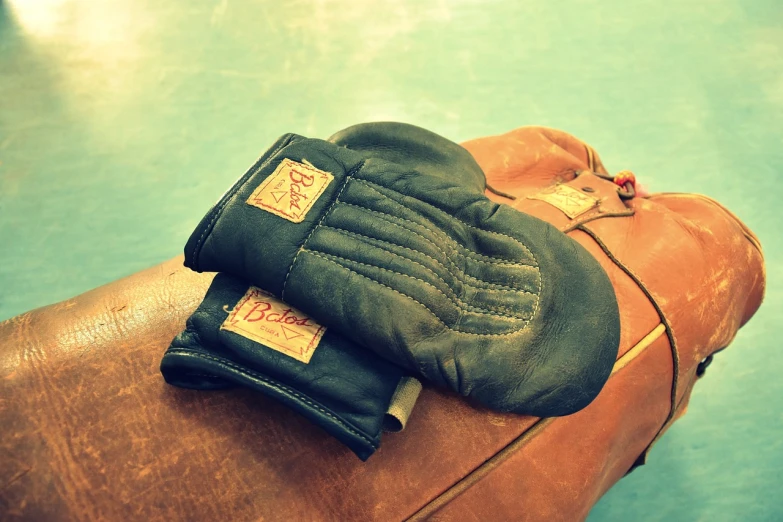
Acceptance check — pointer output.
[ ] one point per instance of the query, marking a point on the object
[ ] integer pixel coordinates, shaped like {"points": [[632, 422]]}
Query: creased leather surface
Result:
{"points": [[91, 432]]}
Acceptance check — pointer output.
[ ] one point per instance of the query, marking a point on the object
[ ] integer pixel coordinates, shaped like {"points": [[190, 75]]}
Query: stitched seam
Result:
{"points": [[486, 467], [443, 212], [279, 386], [537, 305], [227, 197], [480, 284], [540, 290], [525, 248], [506, 334], [459, 303], [348, 178], [468, 252], [454, 251]]}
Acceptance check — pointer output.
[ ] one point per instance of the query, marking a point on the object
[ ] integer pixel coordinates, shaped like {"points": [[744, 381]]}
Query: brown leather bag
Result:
{"points": [[91, 432]]}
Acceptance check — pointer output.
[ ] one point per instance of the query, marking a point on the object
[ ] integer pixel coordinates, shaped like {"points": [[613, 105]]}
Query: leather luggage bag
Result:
{"points": [[91, 431]]}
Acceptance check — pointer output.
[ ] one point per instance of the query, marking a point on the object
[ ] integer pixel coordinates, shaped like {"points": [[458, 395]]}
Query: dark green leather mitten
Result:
{"points": [[384, 234]]}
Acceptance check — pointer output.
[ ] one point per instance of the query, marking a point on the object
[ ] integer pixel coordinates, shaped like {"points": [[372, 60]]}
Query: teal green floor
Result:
{"points": [[122, 121]]}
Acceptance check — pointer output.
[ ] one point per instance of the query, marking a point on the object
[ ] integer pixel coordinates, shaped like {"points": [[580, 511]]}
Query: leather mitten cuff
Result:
{"points": [[241, 336]]}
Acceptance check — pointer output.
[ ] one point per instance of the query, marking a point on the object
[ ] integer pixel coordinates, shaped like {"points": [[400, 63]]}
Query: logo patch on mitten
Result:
{"points": [[261, 317], [567, 199], [291, 190]]}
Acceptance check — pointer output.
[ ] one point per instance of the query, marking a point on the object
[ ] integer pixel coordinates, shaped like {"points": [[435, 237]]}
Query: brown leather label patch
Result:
{"points": [[263, 318], [291, 190], [567, 199]]}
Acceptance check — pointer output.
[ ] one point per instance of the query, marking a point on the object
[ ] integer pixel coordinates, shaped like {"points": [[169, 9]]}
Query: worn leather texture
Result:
{"points": [[91, 431], [402, 258], [344, 389]]}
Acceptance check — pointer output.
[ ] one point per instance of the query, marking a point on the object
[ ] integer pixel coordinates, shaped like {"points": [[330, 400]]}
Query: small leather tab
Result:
{"points": [[567, 199], [402, 404]]}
